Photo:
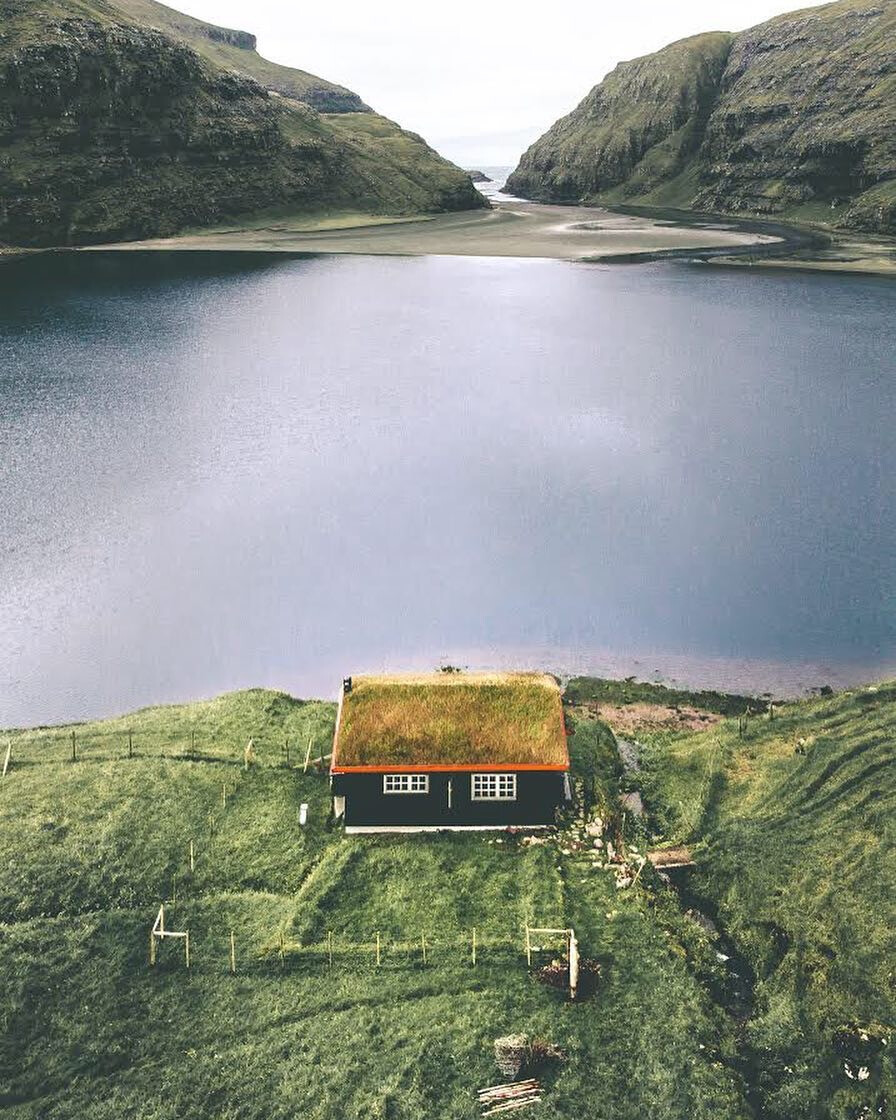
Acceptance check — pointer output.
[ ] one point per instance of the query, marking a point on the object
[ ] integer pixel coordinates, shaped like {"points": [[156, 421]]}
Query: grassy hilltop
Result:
{"points": [[794, 117], [792, 846], [123, 119]]}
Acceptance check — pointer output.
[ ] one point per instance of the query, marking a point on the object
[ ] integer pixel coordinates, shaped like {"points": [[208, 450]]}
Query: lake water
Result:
{"points": [[222, 471]]}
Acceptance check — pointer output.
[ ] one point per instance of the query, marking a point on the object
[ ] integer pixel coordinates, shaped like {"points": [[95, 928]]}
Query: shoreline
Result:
{"points": [[595, 235], [783, 682]]}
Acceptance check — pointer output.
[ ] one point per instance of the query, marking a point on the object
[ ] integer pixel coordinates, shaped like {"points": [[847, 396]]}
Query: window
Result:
{"points": [[405, 783], [494, 787]]}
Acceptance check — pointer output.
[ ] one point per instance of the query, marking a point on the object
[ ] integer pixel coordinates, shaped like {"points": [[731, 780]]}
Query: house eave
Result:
{"points": [[451, 768]]}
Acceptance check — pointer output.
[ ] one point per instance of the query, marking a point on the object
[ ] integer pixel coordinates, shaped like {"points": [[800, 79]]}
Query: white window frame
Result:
{"points": [[493, 787], [405, 783]]}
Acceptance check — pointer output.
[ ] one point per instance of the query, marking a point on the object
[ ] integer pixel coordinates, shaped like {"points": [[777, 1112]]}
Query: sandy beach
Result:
{"points": [[510, 229]]}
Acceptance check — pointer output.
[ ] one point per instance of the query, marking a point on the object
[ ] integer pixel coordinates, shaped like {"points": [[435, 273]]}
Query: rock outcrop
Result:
{"points": [[114, 127], [795, 117]]}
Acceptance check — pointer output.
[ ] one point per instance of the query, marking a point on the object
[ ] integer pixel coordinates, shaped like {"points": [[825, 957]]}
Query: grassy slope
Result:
{"points": [[447, 718], [800, 123], [212, 43], [91, 848], [795, 833], [636, 128], [190, 136]]}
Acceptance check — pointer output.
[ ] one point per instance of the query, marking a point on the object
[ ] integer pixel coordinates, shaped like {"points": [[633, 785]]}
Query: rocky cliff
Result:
{"points": [[123, 119], [795, 117]]}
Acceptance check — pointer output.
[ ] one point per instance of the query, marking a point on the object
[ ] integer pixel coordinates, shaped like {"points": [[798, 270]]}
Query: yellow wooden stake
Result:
{"points": [[330, 946], [192, 857], [152, 949], [423, 945], [377, 947], [224, 795], [474, 945], [232, 953]]}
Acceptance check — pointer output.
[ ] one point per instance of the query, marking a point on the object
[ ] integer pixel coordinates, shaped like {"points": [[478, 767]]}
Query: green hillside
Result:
{"points": [[126, 120], [795, 117], [794, 849], [795, 825], [235, 51], [93, 846]]}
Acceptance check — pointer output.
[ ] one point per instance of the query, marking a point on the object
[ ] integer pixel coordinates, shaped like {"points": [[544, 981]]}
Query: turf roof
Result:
{"points": [[452, 719]]}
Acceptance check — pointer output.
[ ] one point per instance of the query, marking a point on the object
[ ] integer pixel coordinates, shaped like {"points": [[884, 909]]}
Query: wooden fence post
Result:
{"points": [[232, 953], [130, 744], [307, 755], [474, 945], [528, 948], [281, 950], [192, 859], [74, 749], [187, 948], [423, 946], [223, 795], [330, 947], [573, 965], [8, 754], [377, 948], [152, 949]]}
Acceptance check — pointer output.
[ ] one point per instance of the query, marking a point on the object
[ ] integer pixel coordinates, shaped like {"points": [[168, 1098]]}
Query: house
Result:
{"points": [[449, 751]]}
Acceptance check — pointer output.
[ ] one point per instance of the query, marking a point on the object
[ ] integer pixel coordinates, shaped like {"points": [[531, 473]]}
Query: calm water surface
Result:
{"points": [[219, 471]]}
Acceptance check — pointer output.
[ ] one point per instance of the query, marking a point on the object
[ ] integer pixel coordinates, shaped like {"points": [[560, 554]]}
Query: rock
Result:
{"points": [[479, 177]]}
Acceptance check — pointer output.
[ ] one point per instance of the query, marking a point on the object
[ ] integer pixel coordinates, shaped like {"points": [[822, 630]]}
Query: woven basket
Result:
{"points": [[512, 1054]]}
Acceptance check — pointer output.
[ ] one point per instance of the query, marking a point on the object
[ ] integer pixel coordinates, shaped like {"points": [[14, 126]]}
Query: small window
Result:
{"points": [[405, 783], [494, 787]]}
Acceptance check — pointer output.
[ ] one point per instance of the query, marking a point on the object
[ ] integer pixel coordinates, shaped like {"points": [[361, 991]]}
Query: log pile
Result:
{"points": [[498, 1099]]}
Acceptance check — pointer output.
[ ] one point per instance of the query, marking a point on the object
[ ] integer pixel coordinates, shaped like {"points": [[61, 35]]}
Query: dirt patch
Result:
{"points": [[627, 718]]}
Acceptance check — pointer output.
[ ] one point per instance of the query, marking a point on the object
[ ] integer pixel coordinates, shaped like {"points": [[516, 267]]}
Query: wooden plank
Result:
{"points": [[671, 857], [6, 760], [508, 1085]]}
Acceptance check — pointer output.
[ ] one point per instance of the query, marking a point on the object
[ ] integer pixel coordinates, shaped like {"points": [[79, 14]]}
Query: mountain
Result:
{"points": [[123, 119], [795, 117]]}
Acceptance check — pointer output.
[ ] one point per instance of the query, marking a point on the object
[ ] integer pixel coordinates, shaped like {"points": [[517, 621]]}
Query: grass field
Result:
{"points": [[793, 819], [92, 847], [791, 824]]}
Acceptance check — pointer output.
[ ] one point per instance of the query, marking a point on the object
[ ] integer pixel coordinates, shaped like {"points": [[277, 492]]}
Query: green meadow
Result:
{"points": [[310, 1024], [793, 822]]}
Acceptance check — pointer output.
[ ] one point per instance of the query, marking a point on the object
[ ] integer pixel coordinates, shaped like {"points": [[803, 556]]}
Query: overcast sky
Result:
{"points": [[479, 80]]}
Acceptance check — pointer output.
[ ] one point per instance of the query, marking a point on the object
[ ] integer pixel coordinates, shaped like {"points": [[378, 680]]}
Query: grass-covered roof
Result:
{"points": [[452, 720]]}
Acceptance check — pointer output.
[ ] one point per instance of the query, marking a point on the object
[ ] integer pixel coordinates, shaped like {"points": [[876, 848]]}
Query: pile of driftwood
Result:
{"points": [[498, 1099]]}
